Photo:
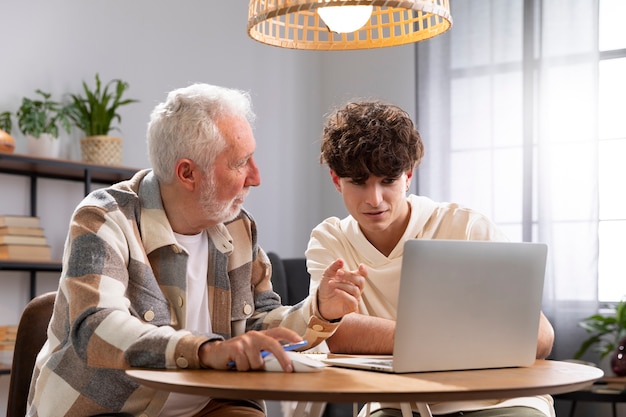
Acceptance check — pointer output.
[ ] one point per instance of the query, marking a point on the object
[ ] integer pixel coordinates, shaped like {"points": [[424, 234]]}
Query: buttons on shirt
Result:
{"points": [[182, 362], [148, 315], [247, 309], [317, 327], [176, 249], [180, 301]]}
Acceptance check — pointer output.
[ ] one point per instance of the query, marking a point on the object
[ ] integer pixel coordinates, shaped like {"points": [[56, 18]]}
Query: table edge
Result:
{"points": [[139, 375]]}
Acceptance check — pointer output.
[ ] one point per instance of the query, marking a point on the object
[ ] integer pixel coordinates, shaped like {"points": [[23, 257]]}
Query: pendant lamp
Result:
{"points": [[346, 24]]}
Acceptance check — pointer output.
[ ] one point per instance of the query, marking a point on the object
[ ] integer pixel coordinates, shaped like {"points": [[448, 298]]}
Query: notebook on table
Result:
{"points": [[464, 305]]}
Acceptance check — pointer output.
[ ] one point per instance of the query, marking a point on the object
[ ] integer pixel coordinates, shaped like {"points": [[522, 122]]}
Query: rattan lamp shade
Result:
{"points": [[296, 24]]}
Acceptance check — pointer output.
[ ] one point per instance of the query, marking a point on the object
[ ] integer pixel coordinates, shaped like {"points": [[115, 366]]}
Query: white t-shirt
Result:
{"points": [[198, 317]]}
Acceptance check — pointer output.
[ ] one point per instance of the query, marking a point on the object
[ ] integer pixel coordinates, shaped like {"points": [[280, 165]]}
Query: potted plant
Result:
{"points": [[93, 112], [608, 335], [7, 143], [39, 120]]}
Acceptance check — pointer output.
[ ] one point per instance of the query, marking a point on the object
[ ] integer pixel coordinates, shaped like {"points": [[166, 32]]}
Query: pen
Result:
{"points": [[286, 347]]}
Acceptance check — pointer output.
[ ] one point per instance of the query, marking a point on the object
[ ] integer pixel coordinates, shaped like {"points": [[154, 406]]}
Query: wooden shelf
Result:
{"points": [[59, 169], [5, 368], [10, 265], [34, 168], [19, 164]]}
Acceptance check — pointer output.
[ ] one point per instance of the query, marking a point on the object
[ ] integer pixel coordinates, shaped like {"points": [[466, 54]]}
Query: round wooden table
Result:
{"points": [[345, 385]]}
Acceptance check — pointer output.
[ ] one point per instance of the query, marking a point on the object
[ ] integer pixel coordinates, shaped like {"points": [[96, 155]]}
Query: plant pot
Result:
{"points": [[618, 360], [45, 146], [7, 143], [101, 150]]}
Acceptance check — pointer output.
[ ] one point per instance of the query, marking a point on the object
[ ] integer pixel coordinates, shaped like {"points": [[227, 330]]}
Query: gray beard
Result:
{"points": [[218, 211]]}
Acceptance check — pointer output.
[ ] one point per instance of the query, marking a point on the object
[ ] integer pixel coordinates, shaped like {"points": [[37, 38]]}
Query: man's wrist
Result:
{"points": [[204, 352], [318, 311]]}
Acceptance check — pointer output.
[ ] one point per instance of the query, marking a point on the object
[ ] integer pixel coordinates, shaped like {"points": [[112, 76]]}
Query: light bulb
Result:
{"points": [[345, 19]]}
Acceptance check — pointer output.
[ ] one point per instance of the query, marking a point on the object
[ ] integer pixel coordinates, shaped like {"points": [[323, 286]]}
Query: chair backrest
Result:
{"points": [[31, 336], [290, 278]]}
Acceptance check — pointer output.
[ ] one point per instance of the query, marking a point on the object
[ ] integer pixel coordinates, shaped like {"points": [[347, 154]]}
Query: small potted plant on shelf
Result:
{"points": [[7, 143], [93, 112], [39, 120], [608, 335]]}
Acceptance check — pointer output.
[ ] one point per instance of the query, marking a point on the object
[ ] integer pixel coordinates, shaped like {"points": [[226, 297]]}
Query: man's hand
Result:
{"points": [[245, 350], [339, 292]]}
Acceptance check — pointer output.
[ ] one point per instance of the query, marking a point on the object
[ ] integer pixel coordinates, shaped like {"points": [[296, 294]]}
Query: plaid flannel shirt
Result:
{"points": [[121, 303]]}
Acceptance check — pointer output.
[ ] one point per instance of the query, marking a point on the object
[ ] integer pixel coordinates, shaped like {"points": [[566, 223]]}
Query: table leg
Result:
{"points": [[614, 405], [309, 409], [317, 409], [300, 410], [424, 410], [406, 410], [571, 410]]}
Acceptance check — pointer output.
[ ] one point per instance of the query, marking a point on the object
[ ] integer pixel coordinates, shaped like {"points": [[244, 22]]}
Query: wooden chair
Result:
{"points": [[31, 336]]}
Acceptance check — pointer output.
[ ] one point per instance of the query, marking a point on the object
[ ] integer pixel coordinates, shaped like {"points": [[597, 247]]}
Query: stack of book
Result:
{"points": [[7, 343], [610, 385], [22, 239]]}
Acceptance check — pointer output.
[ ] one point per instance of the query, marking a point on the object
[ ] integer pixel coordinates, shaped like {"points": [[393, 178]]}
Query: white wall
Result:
{"points": [[157, 46]]}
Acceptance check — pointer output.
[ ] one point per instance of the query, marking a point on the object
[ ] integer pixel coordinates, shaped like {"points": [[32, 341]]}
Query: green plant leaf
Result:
{"points": [[6, 123], [606, 331], [96, 109], [36, 117], [585, 345]]}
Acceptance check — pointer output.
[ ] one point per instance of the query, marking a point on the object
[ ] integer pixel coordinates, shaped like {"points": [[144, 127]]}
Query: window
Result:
{"points": [[522, 107], [612, 150]]}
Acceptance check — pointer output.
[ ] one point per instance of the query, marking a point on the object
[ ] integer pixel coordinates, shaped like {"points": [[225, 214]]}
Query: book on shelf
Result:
{"points": [[6, 352], [614, 382], [23, 240], [25, 252], [7, 345], [21, 231], [8, 333], [603, 389], [19, 221]]}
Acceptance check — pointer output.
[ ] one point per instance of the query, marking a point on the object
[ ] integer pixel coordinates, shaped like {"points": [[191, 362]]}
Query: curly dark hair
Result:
{"points": [[370, 138]]}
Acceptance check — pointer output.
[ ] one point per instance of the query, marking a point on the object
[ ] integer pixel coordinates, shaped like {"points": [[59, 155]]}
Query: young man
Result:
{"points": [[372, 149], [164, 271]]}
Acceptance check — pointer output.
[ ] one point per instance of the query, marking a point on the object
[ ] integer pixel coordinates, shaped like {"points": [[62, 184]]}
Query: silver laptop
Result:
{"points": [[464, 305]]}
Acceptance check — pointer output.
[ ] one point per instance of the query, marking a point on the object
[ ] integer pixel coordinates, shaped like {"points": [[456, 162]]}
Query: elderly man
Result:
{"points": [[164, 271]]}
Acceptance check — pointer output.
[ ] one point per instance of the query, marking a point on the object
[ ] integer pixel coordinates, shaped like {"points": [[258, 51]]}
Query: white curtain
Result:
{"points": [[507, 107]]}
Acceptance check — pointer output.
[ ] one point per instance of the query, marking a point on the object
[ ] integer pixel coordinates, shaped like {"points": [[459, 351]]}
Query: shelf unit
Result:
{"points": [[34, 168]]}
